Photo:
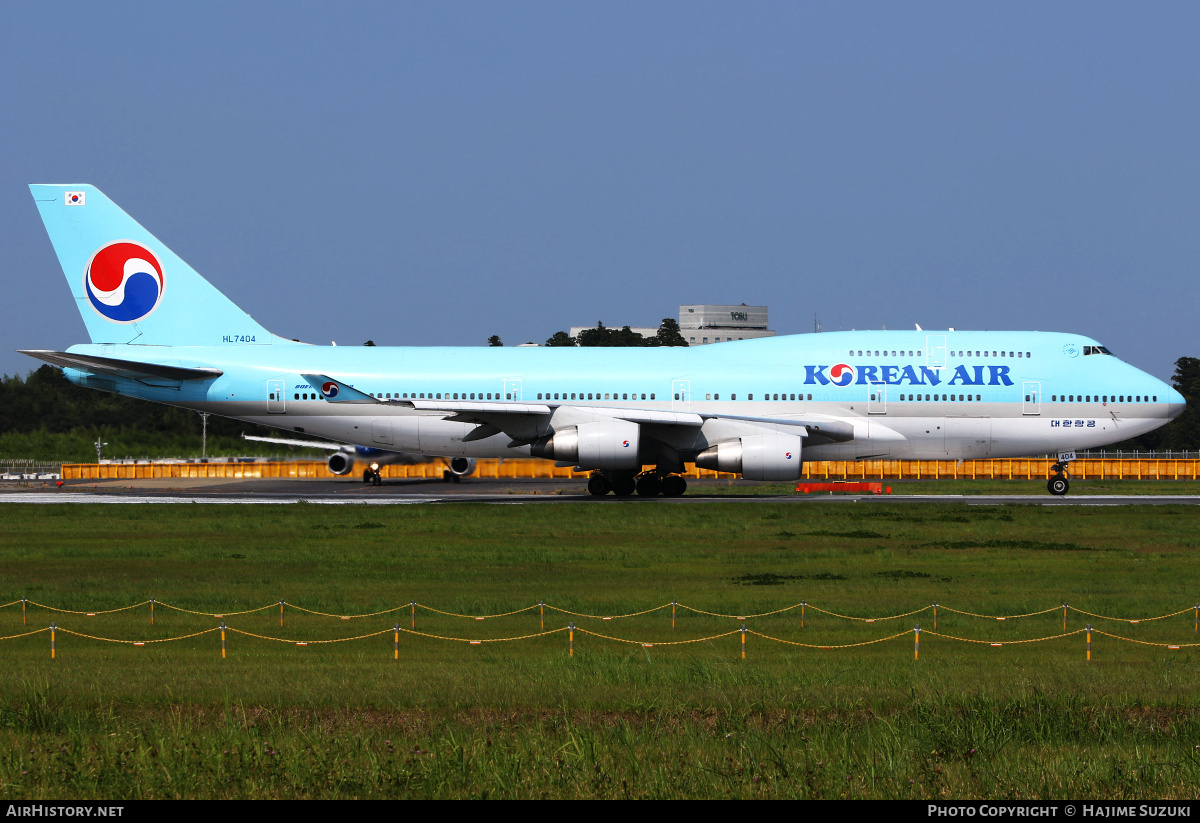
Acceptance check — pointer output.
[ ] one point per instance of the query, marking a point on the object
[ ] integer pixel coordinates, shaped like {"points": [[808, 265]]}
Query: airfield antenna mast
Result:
{"points": [[99, 446], [204, 435]]}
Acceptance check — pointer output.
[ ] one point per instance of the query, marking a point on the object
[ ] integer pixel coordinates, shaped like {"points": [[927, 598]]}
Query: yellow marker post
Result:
{"points": [[802, 605], [52, 628], [1197, 627], [151, 611], [281, 614], [1089, 642], [413, 603], [23, 602], [743, 641], [396, 642], [570, 639], [673, 604], [1064, 617], [542, 607], [222, 640], [917, 642], [935, 615]]}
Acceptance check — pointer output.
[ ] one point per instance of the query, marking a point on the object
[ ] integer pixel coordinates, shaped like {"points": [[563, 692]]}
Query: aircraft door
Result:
{"points": [[681, 394], [381, 431], [512, 389], [935, 351], [1032, 402], [877, 398], [276, 403]]}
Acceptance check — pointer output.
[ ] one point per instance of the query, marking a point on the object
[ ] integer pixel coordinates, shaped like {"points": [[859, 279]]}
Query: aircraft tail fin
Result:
{"points": [[129, 287]]}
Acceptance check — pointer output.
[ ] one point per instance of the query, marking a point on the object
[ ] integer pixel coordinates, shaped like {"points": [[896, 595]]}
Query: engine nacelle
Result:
{"points": [[340, 463], [606, 445], [758, 457], [462, 466]]}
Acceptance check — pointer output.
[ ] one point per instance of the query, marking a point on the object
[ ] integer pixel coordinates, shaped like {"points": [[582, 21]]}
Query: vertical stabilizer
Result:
{"points": [[128, 286]]}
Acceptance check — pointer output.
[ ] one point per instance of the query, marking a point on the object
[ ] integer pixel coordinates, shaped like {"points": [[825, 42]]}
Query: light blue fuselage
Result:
{"points": [[1037, 392]]}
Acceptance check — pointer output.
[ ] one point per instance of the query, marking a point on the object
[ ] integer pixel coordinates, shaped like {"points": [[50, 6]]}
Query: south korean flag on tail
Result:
{"points": [[75, 198]]}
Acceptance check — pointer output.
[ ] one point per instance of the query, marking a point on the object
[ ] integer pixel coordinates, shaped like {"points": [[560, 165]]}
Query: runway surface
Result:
{"points": [[477, 490]]}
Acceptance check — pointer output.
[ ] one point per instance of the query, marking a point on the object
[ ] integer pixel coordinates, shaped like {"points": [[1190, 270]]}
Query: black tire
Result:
{"points": [[648, 485], [1058, 485], [598, 486], [377, 479], [623, 486], [446, 475], [673, 486], [366, 475]]}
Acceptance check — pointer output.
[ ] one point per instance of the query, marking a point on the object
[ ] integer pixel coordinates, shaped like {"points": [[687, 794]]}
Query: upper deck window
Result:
{"points": [[1095, 350]]}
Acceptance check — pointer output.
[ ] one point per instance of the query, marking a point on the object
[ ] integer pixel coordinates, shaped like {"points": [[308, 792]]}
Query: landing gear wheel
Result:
{"points": [[623, 486], [598, 485], [446, 475], [377, 479], [648, 485], [673, 486], [367, 474], [1058, 485]]}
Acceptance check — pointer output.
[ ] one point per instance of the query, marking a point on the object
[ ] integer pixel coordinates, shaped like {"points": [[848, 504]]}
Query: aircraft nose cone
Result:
{"points": [[1175, 404]]}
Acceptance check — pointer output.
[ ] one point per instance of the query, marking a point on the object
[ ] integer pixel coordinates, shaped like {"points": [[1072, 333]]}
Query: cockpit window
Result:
{"points": [[1095, 350]]}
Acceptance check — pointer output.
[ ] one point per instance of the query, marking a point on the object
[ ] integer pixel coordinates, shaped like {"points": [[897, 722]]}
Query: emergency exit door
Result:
{"points": [[1031, 402], [276, 403]]}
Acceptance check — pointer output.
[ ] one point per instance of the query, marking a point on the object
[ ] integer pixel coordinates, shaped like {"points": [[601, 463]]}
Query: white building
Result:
{"points": [[702, 324]]}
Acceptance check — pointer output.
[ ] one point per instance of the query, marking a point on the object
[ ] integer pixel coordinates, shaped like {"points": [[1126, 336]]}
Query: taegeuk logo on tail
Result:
{"points": [[124, 282]]}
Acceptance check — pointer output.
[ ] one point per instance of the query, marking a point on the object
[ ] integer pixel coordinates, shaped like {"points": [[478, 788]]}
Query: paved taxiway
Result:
{"points": [[482, 490]]}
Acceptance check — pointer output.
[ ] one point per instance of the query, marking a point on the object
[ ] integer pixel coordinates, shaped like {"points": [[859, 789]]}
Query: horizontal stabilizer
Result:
{"points": [[132, 369], [336, 391]]}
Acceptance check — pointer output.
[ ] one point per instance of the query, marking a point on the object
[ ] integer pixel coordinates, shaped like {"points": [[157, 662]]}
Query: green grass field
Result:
{"points": [[522, 719]]}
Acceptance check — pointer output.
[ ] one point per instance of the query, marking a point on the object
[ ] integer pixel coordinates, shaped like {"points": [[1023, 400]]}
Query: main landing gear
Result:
{"points": [[646, 484], [450, 477], [1058, 485]]}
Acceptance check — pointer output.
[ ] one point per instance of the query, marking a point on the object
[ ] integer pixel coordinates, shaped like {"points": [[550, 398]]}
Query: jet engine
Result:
{"points": [[462, 466], [757, 457], [341, 463], [606, 445]]}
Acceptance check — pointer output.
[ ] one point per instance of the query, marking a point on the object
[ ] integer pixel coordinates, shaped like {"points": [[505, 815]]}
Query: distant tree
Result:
{"points": [[495, 340], [1183, 433], [604, 336], [668, 334], [369, 343], [628, 337], [599, 336], [560, 338]]}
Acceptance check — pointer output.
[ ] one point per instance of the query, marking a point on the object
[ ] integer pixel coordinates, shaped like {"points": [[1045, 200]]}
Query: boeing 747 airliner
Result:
{"points": [[630, 417]]}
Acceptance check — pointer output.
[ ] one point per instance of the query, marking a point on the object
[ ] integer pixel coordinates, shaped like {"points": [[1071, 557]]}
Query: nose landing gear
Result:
{"points": [[1058, 484]]}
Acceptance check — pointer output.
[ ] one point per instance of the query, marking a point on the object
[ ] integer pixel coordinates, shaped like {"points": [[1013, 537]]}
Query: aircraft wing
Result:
{"points": [[308, 444], [515, 419], [132, 369]]}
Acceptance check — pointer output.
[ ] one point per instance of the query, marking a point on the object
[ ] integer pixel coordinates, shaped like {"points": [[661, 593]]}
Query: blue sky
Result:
{"points": [[431, 173]]}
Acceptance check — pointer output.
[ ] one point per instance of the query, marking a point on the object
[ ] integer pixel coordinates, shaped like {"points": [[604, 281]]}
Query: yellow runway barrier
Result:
{"points": [[529, 468]]}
